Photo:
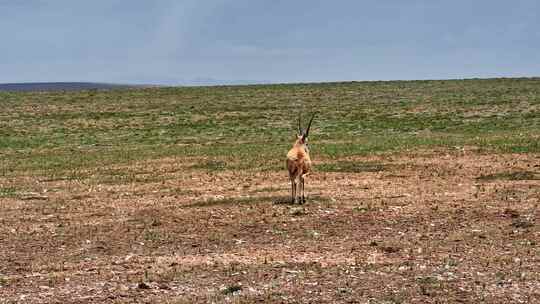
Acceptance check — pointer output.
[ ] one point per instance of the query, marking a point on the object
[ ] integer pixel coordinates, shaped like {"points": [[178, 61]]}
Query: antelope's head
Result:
{"points": [[302, 136]]}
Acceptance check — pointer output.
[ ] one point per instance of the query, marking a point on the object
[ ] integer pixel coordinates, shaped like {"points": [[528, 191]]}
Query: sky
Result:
{"points": [[182, 42]]}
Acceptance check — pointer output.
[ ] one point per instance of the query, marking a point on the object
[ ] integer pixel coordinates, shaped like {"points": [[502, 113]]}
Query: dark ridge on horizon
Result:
{"points": [[82, 86], [273, 83], [64, 86]]}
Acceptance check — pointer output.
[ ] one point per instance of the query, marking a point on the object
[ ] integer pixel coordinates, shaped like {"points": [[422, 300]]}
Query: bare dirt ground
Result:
{"points": [[429, 227]]}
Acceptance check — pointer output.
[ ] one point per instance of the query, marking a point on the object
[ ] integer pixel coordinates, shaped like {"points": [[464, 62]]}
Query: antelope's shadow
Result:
{"points": [[253, 200]]}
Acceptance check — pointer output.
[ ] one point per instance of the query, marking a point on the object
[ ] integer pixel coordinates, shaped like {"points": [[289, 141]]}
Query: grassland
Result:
{"points": [[424, 192]]}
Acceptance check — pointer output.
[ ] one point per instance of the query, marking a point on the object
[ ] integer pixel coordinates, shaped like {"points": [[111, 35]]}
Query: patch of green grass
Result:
{"points": [[231, 289], [126, 176], [352, 167], [8, 192], [515, 175], [251, 127], [210, 165], [151, 235], [429, 285], [4, 281]]}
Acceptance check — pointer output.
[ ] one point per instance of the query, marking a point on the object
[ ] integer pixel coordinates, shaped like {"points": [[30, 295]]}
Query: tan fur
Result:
{"points": [[299, 166]]}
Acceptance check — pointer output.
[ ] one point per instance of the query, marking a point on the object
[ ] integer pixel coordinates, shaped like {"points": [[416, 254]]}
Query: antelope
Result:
{"points": [[299, 163]]}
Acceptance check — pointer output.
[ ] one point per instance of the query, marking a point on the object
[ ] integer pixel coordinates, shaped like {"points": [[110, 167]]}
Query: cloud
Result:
{"points": [[170, 41]]}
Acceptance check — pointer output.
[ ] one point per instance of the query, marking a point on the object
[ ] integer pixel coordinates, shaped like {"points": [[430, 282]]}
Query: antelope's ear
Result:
{"points": [[304, 137]]}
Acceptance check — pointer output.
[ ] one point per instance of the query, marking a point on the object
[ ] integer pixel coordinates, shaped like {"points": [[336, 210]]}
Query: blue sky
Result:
{"points": [[198, 41]]}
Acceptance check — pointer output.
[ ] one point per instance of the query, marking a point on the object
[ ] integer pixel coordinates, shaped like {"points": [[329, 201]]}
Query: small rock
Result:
{"points": [[523, 222], [297, 211], [511, 213], [164, 286], [231, 289], [390, 248]]}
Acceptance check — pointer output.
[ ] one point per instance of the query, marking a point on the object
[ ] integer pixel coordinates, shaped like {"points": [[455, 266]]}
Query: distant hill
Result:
{"points": [[208, 81], [61, 86]]}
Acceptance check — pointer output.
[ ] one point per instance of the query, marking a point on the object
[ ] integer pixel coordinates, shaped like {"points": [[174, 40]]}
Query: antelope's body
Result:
{"points": [[299, 164]]}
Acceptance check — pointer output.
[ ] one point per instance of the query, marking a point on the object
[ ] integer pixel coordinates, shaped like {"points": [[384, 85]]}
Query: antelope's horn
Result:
{"points": [[299, 126], [309, 125]]}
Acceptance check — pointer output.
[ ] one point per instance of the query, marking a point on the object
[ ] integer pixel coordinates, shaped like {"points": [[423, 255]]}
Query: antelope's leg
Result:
{"points": [[299, 190], [303, 191], [293, 191], [302, 178]]}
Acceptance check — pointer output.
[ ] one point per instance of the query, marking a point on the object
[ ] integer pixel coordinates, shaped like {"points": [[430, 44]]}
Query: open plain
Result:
{"points": [[422, 192]]}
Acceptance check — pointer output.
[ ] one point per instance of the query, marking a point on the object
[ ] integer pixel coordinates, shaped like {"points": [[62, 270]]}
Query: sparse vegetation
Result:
{"points": [[8, 192], [232, 289], [351, 167], [518, 175], [422, 191]]}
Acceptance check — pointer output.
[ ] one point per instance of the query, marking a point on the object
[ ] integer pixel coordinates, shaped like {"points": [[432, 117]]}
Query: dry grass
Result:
{"points": [[426, 229]]}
